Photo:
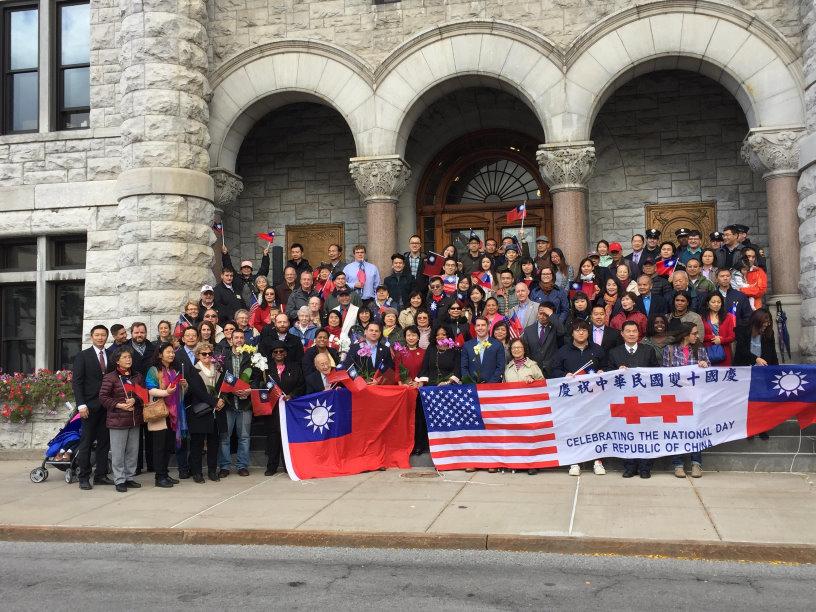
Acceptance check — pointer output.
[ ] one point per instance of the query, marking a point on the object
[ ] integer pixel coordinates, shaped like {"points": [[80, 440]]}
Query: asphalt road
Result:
{"points": [[85, 577]]}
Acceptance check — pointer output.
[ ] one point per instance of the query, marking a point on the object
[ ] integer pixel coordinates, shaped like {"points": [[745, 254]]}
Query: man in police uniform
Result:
{"points": [[715, 240], [745, 240], [652, 248], [682, 235]]}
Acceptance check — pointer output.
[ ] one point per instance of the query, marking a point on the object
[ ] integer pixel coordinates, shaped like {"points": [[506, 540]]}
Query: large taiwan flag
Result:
{"points": [[339, 433], [778, 393]]}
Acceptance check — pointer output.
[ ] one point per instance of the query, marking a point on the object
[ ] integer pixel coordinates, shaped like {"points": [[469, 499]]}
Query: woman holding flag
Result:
{"points": [[483, 277], [119, 396], [163, 382]]}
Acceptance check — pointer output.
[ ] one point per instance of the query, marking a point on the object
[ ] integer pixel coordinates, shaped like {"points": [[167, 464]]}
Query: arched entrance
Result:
{"points": [[474, 181]]}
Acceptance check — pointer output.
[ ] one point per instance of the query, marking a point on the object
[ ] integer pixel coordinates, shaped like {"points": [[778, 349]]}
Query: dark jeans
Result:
{"points": [[145, 449], [197, 447], [274, 447], [163, 442], [638, 465], [420, 429], [93, 430], [677, 460]]}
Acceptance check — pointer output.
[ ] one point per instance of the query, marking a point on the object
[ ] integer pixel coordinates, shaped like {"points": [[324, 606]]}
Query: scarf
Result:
{"points": [[209, 376], [589, 278], [547, 287], [178, 418], [609, 303], [519, 363], [333, 330], [122, 371]]}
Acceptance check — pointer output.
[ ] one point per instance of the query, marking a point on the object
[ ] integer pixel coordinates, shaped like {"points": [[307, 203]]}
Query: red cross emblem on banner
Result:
{"points": [[668, 408]]}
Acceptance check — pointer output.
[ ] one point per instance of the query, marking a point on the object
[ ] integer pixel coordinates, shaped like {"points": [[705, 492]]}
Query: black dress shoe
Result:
{"points": [[85, 485], [132, 484], [629, 473], [532, 471], [164, 483], [270, 471], [121, 488], [184, 474], [223, 473], [645, 474], [149, 468], [243, 472], [103, 481], [137, 472], [213, 475], [172, 480], [198, 478]]}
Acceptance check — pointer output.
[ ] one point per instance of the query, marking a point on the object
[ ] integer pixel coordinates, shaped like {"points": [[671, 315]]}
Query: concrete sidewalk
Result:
{"points": [[721, 507]]}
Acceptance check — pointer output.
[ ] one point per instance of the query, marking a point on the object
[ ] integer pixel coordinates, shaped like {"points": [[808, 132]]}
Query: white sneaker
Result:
{"points": [[575, 470], [598, 468]]}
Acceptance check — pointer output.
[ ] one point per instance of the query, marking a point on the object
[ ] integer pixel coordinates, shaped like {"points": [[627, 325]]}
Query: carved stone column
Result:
{"points": [[380, 180], [774, 153], [566, 167]]}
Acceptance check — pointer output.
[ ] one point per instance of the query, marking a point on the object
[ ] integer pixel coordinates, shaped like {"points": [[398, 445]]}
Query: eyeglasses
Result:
{"points": [[278, 350], [205, 354]]}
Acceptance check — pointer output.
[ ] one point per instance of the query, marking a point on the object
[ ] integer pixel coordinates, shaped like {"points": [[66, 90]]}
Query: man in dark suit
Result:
{"points": [[228, 297], [143, 350], [185, 363], [601, 334], [482, 359], [89, 367], [379, 358], [279, 330], [632, 354], [638, 242], [318, 379], [649, 302], [544, 337]]}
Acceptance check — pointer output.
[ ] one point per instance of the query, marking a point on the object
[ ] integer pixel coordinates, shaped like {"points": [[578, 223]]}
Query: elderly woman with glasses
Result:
{"points": [[201, 403]]}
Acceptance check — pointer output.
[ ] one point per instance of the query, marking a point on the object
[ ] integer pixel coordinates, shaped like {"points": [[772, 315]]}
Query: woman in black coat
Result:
{"points": [[288, 375], [442, 360], [755, 343], [321, 345], [201, 391]]}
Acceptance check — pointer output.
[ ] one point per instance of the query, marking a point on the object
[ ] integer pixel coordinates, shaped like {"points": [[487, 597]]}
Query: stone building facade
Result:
{"points": [[274, 114]]}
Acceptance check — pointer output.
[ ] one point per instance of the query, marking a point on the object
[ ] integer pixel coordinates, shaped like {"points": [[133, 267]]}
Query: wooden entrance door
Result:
{"points": [[455, 227]]}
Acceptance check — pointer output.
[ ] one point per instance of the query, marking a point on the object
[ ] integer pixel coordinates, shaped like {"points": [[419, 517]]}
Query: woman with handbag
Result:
{"points": [[719, 327], [201, 403], [124, 419], [161, 413]]}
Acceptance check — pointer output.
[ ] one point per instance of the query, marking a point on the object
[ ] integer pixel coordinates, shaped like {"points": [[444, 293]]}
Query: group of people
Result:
{"points": [[494, 313]]}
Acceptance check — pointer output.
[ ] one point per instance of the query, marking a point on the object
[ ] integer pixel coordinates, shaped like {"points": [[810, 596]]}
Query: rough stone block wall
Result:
{"points": [[51, 160], [294, 166], [373, 31], [672, 137], [105, 68]]}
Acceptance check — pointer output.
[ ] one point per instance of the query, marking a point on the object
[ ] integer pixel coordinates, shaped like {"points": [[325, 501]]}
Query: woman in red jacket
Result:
{"points": [[719, 329], [410, 357], [124, 419], [261, 314], [628, 312]]}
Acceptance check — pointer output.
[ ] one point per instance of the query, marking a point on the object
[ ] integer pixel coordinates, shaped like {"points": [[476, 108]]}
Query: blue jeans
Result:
{"points": [[677, 460], [240, 421]]}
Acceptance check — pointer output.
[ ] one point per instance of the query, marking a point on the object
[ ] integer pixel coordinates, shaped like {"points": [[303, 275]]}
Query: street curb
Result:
{"points": [[678, 549]]}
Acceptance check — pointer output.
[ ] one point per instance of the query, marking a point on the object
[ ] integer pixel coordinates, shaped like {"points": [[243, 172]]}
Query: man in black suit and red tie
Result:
{"points": [[89, 367], [632, 354]]}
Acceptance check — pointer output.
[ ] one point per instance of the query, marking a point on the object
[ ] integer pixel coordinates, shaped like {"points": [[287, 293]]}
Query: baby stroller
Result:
{"points": [[63, 445]]}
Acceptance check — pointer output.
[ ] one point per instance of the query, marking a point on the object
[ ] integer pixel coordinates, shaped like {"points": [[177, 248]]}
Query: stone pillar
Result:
{"points": [[380, 180], [165, 192], [228, 186], [566, 167], [774, 153]]}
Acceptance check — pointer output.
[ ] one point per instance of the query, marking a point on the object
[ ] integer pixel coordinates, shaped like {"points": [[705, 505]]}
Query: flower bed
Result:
{"points": [[32, 407]]}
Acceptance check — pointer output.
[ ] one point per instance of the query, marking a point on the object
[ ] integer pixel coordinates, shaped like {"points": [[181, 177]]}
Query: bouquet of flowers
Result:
{"points": [[446, 343], [365, 370], [400, 350]]}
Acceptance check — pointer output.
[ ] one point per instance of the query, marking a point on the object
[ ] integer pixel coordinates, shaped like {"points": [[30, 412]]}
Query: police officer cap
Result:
{"points": [[653, 233], [742, 229], [681, 232], [716, 237]]}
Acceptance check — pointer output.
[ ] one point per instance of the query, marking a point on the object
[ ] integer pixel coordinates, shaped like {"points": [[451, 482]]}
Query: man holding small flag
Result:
{"points": [[237, 413]]}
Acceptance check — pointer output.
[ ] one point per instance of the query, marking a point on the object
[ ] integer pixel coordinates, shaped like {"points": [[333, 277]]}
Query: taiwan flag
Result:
{"points": [[518, 213], [337, 433], [267, 236], [779, 393], [135, 389], [665, 267], [232, 383], [433, 264], [516, 328], [265, 400]]}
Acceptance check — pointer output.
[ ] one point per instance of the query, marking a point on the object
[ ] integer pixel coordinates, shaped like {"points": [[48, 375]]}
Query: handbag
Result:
{"points": [[155, 410], [201, 409], [716, 352]]}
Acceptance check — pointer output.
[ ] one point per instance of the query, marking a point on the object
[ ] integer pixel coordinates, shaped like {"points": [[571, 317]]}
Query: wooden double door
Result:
{"points": [[454, 228]]}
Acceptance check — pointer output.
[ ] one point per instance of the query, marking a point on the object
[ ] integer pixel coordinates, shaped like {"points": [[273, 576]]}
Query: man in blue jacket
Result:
{"points": [[483, 357]]}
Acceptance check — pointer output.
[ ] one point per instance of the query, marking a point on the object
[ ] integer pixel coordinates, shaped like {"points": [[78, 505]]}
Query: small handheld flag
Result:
{"points": [[268, 236], [137, 390], [433, 264], [218, 228], [519, 213], [232, 383], [516, 328], [665, 267]]}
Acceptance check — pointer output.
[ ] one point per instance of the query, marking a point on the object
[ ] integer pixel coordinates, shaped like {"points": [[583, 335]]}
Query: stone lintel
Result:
{"points": [[165, 181]]}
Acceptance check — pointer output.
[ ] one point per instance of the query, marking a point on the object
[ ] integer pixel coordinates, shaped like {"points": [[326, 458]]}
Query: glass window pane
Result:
{"points": [[17, 356], [75, 34], [69, 253], [18, 257], [24, 109], [75, 120], [76, 88], [19, 311], [70, 302], [66, 351], [24, 36]]}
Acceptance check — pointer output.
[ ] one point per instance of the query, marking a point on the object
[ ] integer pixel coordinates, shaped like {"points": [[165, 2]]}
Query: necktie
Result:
{"points": [[102, 360], [361, 275], [631, 351], [597, 335], [542, 333], [636, 257]]}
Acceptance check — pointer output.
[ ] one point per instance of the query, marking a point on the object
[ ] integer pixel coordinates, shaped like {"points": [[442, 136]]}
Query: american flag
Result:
{"points": [[491, 425]]}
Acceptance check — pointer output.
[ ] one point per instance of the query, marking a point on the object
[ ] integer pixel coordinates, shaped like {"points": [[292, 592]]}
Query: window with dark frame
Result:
{"points": [[69, 253], [73, 68], [69, 301], [19, 57], [18, 255], [18, 327]]}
